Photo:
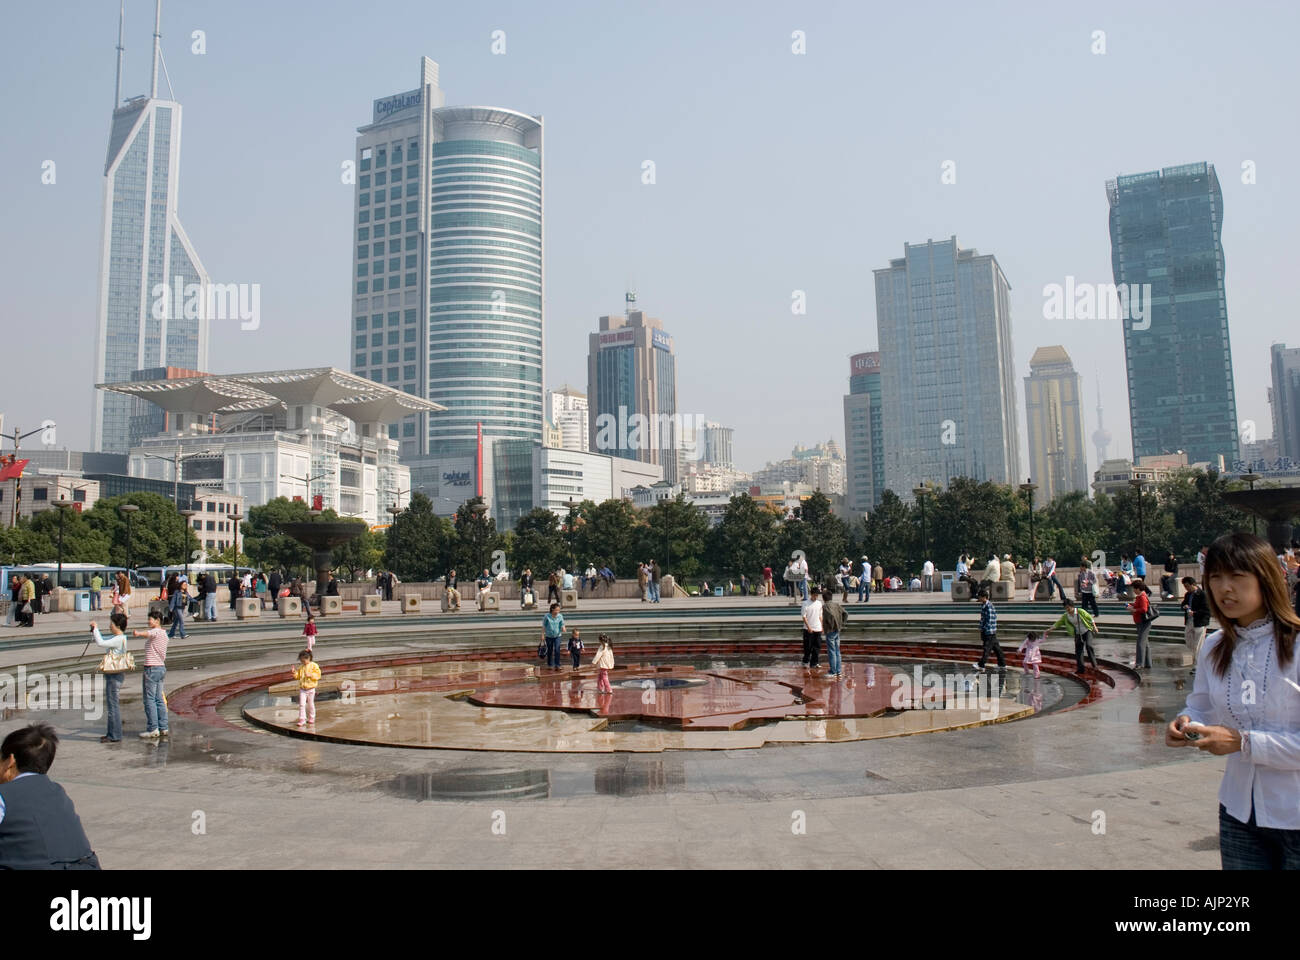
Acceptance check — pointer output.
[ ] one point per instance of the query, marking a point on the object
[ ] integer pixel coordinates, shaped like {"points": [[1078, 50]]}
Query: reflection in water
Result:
{"points": [[470, 784], [639, 777]]}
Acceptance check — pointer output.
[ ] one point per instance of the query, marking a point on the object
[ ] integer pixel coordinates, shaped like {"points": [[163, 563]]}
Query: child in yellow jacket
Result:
{"points": [[307, 673]]}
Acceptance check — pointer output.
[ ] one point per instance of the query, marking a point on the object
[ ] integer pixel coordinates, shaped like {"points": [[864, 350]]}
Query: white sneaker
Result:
{"points": [[149, 735]]}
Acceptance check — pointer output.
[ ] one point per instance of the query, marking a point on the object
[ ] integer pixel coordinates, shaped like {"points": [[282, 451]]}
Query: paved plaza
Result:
{"points": [[1090, 786]]}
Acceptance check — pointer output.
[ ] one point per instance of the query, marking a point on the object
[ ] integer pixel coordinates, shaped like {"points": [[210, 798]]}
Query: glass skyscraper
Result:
{"points": [[947, 373], [447, 269], [1165, 229], [148, 269], [864, 440]]}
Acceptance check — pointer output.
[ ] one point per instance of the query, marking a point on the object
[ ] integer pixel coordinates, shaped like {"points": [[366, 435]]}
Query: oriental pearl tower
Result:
{"points": [[1101, 437]]}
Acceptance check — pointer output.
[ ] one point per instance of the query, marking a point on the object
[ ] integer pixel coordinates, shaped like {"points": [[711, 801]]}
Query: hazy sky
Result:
{"points": [[775, 172]]}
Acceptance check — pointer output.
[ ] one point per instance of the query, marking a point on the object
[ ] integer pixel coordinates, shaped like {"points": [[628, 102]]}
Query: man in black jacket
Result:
{"points": [[1196, 616], [39, 827]]}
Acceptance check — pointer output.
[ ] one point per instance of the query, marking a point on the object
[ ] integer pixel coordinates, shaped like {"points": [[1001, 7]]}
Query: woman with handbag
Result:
{"points": [[1143, 616], [27, 599], [122, 594], [114, 666]]}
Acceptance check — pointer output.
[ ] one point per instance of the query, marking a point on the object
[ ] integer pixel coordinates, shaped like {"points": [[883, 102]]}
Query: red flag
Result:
{"points": [[14, 470]]}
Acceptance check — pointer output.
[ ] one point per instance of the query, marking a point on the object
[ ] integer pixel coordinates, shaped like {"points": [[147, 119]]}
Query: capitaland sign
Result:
{"points": [[388, 106], [456, 478], [661, 340]]}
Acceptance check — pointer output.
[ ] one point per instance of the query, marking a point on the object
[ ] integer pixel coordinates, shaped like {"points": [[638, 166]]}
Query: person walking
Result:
{"points": [[927, 576], [27, 600], [1196, 617], [155, 670], [833, 617], [1244, 705], [603, 662], [116, 644], [309, 630], [575, 647], [1143, 617], [811, 612], [1140, 566], [844, 574], [1085, 587], [178, 602], [552, 630], [15, 588], [39, 826], [989, 632], [121, 598], [1082, 626], [864, 581], [769, 586], [273, 584], [877, 576]]}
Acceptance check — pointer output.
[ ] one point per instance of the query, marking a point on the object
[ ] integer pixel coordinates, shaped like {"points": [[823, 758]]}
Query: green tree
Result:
{"points": [[538, 543], [1157, 524], [1200, 514], [1073, 526], [608, 535], [82, 542], [418, 544], [673, 533], [891, 534], [822, 536], [982, 517], [270, 549], [159, 535], [21, 545], [360, 554], [744, 541], [475, 540]]}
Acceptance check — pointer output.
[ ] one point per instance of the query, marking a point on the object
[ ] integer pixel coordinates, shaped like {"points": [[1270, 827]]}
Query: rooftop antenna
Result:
{"points": [[157, 45], [117, 83]]}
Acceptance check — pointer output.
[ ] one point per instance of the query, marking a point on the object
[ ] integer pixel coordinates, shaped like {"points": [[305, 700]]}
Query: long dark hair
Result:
{"points": [[1247, 553]]}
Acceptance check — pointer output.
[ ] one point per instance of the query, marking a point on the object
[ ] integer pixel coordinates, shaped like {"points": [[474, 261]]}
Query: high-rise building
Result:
{"points": [[713, 443], [1165, 228], [153, 291], [568, 409], [1284, 399], [1058, 461], [947, 374], [632, 389], [864, 441], [447, 266]]}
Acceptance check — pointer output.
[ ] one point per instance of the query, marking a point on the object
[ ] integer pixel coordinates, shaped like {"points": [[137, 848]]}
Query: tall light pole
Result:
{"points": [[394, 511], [1137, 483], [1029, 487], [175, 460], [129, 509], [18, 438], [479, 511], [920, 492], [235, 518], [189, 516], [1251, 478], [63, 506]]}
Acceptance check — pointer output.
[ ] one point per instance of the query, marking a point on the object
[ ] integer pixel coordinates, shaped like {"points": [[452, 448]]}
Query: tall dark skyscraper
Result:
{"points": [[1284, 397], [1165, 229]]}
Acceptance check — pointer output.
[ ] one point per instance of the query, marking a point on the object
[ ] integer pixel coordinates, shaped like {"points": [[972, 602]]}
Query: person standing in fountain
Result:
{"points": [[1244, 705], [833, 617], [552, 630], [1080, 623], [603, 662], [811, 612]]}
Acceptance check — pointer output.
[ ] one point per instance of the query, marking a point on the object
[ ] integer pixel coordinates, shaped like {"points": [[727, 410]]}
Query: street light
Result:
{"points": [[175, 461], [189, 515], [63, 509], [128, 509], [1251, 478], [1029, 487], [480, 527], [18, 438], [236, 517], [1137, 483], [394, 511], [919, 492]]}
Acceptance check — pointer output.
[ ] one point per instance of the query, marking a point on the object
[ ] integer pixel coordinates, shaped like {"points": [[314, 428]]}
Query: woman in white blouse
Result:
{"points": [[1246, 705]]}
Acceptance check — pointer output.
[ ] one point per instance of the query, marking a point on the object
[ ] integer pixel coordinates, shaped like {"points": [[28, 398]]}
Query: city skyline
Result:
{"points": [[590, 249]]}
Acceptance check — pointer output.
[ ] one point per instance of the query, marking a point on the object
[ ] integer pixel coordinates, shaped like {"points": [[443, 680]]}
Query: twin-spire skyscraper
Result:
{"points": [[143, 248]]}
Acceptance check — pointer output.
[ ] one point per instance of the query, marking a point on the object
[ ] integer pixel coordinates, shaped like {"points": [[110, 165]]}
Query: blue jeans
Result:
{"points": [[864, 589], [1248, 846], [210, 606], [803, 587], [155, 711], [833, 651], [95, 600], [552, 651], [112, 684], [178, 620]]}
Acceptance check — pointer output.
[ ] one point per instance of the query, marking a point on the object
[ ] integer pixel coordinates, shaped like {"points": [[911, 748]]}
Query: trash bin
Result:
{"points": [[717, 591], [81, 603], [947, 583]]}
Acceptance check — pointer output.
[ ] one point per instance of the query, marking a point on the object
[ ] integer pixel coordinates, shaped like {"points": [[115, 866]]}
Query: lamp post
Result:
{"points": [[1251, 478], [1029, 487], [919, 492], [189, 516], [394, 512], [235, 518], [18, 438], [1137, 483], [479, 510], [128, 509], [175, 460], [63, 506]]}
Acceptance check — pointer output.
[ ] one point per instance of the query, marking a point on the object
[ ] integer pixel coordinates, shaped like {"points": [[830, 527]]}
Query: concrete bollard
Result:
{"points": [[248, 608], [410, 603], [289, 607], [371, 604]]}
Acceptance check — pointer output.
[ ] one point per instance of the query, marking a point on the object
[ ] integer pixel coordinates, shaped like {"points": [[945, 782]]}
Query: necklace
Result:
{"points": [[1243, 661]]}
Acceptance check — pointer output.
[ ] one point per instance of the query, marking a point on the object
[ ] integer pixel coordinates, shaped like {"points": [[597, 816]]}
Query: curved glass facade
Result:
{"points": [[485, 278]]}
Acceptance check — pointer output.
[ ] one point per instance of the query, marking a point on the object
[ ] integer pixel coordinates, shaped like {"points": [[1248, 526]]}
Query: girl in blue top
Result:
{"points": [[552, 630]]}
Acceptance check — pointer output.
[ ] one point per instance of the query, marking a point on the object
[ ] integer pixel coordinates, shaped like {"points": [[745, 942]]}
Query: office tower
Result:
{"points": [[864, 441], [1165, 230], [947, 377], [153, 291], [568, 409], [1284, 399], [714, 445], [447, 267], [632, 389], [1058, 461]]}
